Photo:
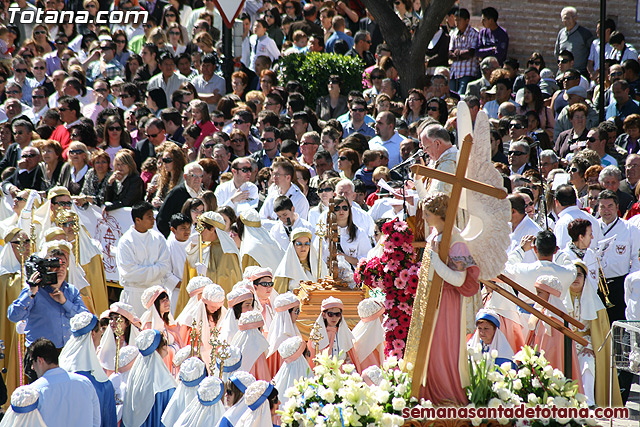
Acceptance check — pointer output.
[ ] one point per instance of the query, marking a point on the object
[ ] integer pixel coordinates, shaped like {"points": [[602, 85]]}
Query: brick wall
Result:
{"points": [[534, 24]]}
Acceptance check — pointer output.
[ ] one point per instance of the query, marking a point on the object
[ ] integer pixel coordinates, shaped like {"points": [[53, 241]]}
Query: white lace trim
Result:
{"points": [[191, 369], [368, 307], [145, 339], [213, 293], [290, 346], [285, 299], [210, 388], [81, 320], [255, 391], [128, 354], [250, 317], [24, 396], [181, 355], [198, 282]]}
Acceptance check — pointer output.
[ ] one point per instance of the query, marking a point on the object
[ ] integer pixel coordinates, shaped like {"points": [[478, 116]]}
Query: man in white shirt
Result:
{"points": [[567, 210], [239, 193], [168, 80], [283, 173], [289, 220], [618, 251], [387, 138], [142, 258], [521, 225], [209, 85], [65, 398]]}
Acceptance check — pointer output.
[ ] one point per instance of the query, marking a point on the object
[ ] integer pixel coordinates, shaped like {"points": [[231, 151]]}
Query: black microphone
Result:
{"points": [[418, 153]]}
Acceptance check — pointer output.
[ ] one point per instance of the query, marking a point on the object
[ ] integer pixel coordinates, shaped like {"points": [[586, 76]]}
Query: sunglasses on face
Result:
{"points": [[268, 139], [76, 151], [28, 156], [516, 153], [167, 160], [300, 244], [39, 33], [614, 74], [325, 190], [358, 110], [573, 170], [38, 97], [516, 126], [563, 61], [343, 158], [64, 204], [238, 121], [114, 128], [433, 108], [208, 145], [332, 314], [344, 208], [40, 68], [152, 135], [243, 170], [266, 284], [174, 33]]}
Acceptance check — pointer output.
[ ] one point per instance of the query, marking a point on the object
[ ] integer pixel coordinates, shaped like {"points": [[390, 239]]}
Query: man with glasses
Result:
{"points": [[155, 135], [239, 193], [518, 157], [39, 70], [270, 147], [129, 95], [309, 144], [48, 309], [53, 59], [360, 49], [632, 172], [243, 121], [570, 78], [14, 93], [191, 187], [20, 70], [358, 111], [69, 109], [597, 140], [40, 103], [28, 175], [209, 85]]}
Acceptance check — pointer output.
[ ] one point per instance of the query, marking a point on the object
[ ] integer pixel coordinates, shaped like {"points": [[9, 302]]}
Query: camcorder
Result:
{"points": [[42, 266]]}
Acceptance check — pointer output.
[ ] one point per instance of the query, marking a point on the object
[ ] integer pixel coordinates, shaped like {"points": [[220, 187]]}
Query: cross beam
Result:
{"points": [[459, 181]]}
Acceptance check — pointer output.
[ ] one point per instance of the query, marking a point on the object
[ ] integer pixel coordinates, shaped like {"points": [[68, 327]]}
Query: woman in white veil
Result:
{"points": [[236, 386], [240, 300], [283, 326], [253, 345], [207, 408], [300, 262], [23, 411], [295, 366], [192, 372], [131, 324]]}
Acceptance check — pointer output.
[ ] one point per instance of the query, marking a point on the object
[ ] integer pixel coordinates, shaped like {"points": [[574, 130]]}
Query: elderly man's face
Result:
{"points": [[194, 178], [610, 183], [547, 166], [568, 20], [30, 158], [345, 191], [13, 108], [22, 135], [632, 168], [616, 72]]}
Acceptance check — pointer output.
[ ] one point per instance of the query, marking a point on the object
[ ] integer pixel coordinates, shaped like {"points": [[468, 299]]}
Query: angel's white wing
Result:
{"points": [[487, 232]]}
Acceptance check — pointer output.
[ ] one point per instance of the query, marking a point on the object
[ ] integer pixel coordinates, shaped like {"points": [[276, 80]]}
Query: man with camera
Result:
{"points": [[49, 303]]}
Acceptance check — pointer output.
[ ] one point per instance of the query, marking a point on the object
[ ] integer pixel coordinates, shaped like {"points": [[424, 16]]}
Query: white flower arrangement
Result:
{"points": [[210, 388], [181, 355], [198, 282], [191, 369], [338, 396], [535, 382]]}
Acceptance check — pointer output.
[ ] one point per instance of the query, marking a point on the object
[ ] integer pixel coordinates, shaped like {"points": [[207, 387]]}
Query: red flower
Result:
{"points": [[400, 332], [404, 320]]}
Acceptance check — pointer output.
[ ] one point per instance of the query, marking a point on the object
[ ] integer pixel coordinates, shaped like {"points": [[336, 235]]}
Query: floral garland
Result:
{"points": [[337, 396], [396, 274]]}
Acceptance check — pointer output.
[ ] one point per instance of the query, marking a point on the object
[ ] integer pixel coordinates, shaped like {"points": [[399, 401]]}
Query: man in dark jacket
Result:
{"points": [[191, 187]]}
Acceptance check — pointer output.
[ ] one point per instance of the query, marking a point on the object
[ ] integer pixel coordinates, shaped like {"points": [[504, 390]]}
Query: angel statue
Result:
{"points": [[477, 252]]}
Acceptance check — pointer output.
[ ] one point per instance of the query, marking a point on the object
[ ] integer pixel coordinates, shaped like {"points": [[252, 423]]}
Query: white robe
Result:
{"points": [[177, 257], [143, 261]]}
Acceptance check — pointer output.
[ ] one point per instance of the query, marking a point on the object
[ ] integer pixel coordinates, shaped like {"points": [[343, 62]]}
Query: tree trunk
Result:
{"points": [[408, 51]]}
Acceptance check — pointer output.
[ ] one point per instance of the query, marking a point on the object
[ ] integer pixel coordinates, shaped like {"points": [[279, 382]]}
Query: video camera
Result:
{"points": [[42, 266]]}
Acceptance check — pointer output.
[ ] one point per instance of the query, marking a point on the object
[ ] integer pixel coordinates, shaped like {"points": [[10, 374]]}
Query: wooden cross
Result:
{"points": [[458, 181]]}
